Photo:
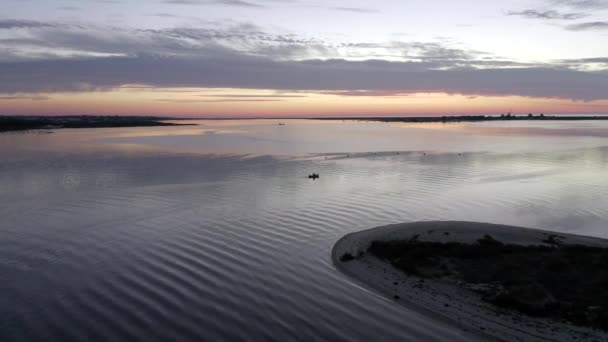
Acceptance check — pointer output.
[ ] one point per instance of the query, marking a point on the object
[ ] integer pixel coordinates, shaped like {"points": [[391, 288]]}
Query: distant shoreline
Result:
{"points": [[11, 123], [475, 118], [447, 301], [27, 123]]}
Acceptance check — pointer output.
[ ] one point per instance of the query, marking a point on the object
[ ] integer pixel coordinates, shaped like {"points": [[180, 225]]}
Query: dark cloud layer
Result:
{"points": [[595, 25], [549, 15], [600, 60], [23, 24], [356, 9], [239, 3], [24, 97], [584, 8], [245, 56], [317, 75], [582, 4]]}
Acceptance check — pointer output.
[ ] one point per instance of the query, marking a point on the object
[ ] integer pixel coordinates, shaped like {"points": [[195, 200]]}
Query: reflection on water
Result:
{"points": [[134, 234], [298, 137]]}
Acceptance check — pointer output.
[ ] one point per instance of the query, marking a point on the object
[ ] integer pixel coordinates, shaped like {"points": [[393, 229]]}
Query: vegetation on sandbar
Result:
{"points": [[556, 280]]}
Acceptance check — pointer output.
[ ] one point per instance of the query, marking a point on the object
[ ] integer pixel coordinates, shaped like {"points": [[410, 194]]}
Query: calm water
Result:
{"points": [[214, 233]]}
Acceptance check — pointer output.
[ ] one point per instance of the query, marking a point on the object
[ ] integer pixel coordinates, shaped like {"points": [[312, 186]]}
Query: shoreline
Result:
{"points": [[473, 118], [32, 123], [448, 302]]}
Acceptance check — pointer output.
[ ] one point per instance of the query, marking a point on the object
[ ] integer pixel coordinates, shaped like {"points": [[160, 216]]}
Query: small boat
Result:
{"points": [[314, 176], [281, 124]]}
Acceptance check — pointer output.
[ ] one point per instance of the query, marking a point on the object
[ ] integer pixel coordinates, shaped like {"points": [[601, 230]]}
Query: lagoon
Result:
{"points": [[215, 233]]}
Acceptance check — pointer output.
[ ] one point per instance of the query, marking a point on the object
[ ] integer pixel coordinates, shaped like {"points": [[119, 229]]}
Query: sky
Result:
{"points": [[303, 58]]}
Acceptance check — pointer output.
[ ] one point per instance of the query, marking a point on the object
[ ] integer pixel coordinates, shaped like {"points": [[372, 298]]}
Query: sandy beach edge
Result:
{"points": [[448, 302]]}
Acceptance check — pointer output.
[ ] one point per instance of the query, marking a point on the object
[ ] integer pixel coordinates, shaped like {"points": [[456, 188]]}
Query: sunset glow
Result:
{"points": [[271, 58], [267, 103]]}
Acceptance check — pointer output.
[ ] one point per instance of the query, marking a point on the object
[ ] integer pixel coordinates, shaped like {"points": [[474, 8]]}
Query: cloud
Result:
{"points": [[238, 71], [62, 40], [166, 15], [69, 8], [430, 54], [239, 3], [217, 101], [355, 9], [21, 24], [587, 60], [582, 4], [358, 93], [48, 57], [246, 96], [24, 97], [213, 38], [595, 25], [549, 15]]}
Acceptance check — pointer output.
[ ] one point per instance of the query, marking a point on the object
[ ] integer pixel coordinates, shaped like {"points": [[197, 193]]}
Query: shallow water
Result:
{"points": [[214, 232]]}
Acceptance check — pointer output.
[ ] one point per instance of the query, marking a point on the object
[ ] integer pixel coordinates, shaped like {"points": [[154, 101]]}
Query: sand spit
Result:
{"points": [[450, 301]]}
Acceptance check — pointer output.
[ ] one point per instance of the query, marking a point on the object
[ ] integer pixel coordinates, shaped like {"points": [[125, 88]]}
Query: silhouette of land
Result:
{"points": [[475, 118], [23, 123]]}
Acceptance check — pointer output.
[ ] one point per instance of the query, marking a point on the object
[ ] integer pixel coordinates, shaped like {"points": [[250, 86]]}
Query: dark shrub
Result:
{"points": [[347, 257]]}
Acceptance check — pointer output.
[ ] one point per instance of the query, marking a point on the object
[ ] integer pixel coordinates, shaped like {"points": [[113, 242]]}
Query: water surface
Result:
{"points": [[214, 232]]}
